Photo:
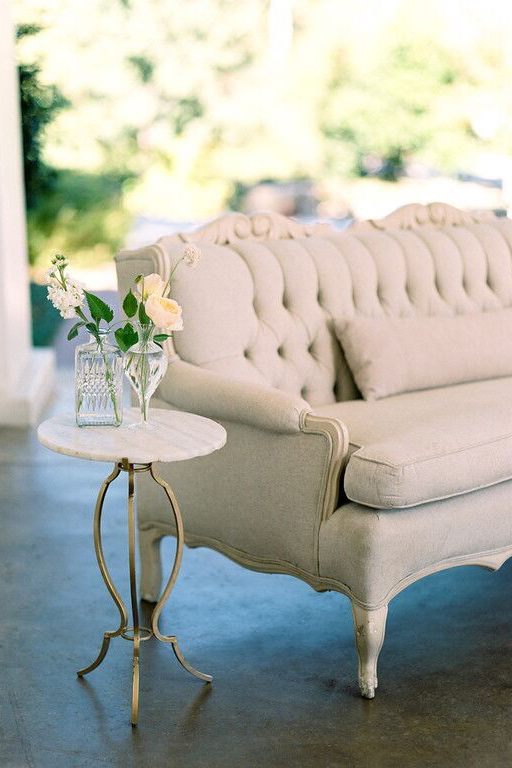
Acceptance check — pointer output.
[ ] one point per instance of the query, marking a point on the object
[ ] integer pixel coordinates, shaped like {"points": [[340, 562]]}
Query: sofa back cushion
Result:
{"points": [[390, 355], [261, 304]]}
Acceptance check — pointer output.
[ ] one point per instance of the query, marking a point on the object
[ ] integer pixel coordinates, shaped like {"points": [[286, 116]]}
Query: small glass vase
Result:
{"points": [[145, 365], [98, 383]]}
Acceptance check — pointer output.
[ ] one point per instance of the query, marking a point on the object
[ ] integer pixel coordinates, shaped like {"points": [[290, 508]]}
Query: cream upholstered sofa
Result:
{"points": [[361, 497]]}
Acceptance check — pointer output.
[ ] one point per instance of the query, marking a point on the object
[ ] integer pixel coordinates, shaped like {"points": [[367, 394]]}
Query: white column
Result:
{"points": [[26, 375]]}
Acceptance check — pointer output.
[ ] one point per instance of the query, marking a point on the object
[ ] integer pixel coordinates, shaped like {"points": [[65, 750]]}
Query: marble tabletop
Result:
{"points": [[171, 436]]}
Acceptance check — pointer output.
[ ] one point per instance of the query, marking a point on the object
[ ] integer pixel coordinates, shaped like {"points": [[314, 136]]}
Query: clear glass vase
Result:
{"points": [[145, 365], [98, 383]]}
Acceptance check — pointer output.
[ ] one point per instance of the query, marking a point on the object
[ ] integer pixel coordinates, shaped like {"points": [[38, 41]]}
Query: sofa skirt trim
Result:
{"points": [[491, 560]]}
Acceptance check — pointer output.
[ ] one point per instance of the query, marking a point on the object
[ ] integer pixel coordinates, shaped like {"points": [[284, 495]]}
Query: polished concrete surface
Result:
{"points": [[282, 656]]}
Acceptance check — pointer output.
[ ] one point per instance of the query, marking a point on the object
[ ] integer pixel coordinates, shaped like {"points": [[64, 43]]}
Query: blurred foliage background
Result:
{"points": [[178, 110]]}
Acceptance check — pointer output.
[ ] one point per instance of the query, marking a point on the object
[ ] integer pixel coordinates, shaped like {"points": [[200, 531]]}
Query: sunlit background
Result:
{"points": [[140, 116]]}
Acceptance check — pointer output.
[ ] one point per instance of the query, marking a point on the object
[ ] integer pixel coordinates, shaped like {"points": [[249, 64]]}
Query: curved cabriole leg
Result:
{"points": [[370, 627], [172, 579], [123, 617], [150, 564], [133, 594]]}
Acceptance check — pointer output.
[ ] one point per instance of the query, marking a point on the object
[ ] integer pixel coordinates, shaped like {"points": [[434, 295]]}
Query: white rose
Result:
{"points": [[151, 285], [165, 313]]}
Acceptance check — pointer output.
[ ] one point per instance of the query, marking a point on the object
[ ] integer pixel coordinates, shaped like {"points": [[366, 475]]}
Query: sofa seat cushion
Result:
{"points": [[422, 446]]}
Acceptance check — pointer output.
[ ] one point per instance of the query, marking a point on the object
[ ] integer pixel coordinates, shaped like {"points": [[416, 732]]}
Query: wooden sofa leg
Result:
{"points": [[370, 627], [150, 564]]}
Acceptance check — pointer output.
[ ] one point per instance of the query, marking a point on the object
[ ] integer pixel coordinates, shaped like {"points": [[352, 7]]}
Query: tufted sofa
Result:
{"points": [[303, 484]]}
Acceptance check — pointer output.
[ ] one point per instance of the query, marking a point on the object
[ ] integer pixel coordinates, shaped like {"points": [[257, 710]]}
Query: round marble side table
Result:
{"points": [[172, 436]]}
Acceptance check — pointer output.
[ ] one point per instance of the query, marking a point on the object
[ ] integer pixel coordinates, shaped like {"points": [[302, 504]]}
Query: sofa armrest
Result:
{"points": [[220, 397], [262, 408]]}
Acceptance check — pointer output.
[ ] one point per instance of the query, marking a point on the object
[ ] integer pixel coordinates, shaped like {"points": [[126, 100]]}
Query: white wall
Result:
{"points": [[14, 299], [24, 382]]}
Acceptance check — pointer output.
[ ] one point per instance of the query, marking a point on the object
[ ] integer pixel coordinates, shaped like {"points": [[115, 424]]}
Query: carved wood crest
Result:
{"points": [[269, 225], [417, 215], [266, 225]]}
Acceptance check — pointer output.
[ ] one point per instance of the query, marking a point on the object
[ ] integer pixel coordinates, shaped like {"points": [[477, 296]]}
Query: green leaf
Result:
{"points": [[74, 330], [139, 278], [161, 337], [130, 304], [143, 318], [131, 334], [126, 337], [93, 330], [119, 337], [99, 310]]}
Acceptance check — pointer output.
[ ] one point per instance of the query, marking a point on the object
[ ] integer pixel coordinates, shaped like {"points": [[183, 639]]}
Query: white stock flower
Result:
{"points": [[151, 285], [192, 254], [50, 277], [165, 313], [67, 299], [60, 260]]}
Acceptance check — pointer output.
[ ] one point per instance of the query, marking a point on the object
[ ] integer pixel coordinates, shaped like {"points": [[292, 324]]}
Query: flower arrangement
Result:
{"points": [[148, 309], [150, 302]]}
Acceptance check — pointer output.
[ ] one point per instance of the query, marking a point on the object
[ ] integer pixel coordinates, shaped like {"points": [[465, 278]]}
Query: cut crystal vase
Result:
{"points": [[145, 365], [98, 383]]}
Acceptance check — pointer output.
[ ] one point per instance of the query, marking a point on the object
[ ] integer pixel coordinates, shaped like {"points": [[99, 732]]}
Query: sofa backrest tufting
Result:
{"points": [[260, 305]]}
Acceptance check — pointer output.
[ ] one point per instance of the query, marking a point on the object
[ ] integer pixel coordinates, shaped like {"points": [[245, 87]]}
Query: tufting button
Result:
{"points": [[246, 353], [280, 351]]}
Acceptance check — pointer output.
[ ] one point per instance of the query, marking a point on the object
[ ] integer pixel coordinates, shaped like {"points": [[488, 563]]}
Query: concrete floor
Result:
{"points": [[282, 656]]}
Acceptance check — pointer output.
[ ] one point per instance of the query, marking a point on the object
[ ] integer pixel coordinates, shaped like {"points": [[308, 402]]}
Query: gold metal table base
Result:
{"points": [[134, 633]]}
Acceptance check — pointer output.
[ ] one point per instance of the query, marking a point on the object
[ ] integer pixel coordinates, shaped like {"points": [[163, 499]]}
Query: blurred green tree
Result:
{"points": [[39, 106], [377, 119], [67, 210], [176, 108]]}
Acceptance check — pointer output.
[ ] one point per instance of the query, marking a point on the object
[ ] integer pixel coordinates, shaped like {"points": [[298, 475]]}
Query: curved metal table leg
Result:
{"points": [[106, 576], [123, 630], [172, 580]]}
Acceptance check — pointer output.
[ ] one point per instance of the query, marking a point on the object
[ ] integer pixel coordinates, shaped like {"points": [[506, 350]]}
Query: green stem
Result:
{"points": [[108, 373], [138, 368], [110, 381], [143, 362], [173, 270]]}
